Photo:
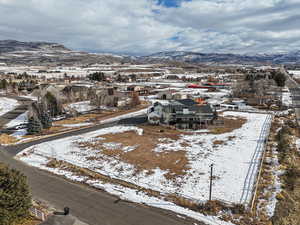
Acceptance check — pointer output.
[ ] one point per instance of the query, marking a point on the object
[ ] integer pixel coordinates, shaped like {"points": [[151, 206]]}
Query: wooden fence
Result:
{"points": [[38, 213]]}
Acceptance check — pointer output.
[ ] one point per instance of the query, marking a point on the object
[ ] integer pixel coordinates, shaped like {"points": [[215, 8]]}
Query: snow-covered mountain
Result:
{"points": [[195, 57], [18, 46], [36, 53]]}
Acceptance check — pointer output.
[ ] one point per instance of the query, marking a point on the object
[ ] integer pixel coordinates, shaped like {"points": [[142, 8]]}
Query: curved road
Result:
{"points": [[295, 94], [89, 205]]}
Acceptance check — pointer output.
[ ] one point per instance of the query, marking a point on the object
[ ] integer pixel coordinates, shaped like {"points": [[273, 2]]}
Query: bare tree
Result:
{"points": [[135, 100]]}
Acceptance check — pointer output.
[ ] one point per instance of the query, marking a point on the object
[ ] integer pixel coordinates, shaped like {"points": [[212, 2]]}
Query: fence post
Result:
{"points": [[211, 177], [43, 216]]}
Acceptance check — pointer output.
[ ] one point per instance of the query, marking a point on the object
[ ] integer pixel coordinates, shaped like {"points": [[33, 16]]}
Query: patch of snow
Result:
{"points": [[123, 192], [298, 144], [77, 125], [125, 116], [296, 73], [21, 119], [7, 104], [200, 151], [112, 145], [275, 188], [84, 106], [34, 98], [129, 148], [286, 99], [19, 134]]}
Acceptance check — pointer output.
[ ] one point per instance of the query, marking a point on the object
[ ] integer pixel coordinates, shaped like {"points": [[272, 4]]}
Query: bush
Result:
{"points": [[292, 174], [15, 199], [283, 146], [97, 76], [34, 126], [46, 120], [279, 78]]}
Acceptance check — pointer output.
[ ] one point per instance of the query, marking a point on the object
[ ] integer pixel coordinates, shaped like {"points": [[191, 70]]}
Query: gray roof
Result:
{"points": [[190, 104], [187, 102]]}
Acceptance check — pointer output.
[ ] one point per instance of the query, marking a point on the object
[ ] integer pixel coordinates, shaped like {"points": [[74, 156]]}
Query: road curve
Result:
{"points": [[89, 205]]}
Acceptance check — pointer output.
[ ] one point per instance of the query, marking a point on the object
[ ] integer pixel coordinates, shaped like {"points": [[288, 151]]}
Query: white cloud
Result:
{"points": [[136, 27]]}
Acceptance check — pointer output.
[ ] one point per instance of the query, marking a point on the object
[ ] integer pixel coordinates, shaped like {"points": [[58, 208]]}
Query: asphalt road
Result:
{"points": [[15, 149], [91, 206], [295, 94], [94, 207]]}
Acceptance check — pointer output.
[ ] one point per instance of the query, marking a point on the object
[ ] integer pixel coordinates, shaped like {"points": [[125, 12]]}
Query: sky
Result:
{"points": [[143, 27]]}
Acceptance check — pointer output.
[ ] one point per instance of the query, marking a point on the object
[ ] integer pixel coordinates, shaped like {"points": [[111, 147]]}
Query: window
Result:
{"points": [[185, 111]]}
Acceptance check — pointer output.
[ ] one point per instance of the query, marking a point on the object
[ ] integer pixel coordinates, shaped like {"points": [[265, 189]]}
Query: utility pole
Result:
{"points": [[211, 177]]}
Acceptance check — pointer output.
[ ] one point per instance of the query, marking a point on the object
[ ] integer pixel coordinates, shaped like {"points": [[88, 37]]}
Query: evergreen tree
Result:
{"points": [[46, 120], [15, 199], [279, 78], [97, 76], [3, 84], [34, 126], [119, 78]]}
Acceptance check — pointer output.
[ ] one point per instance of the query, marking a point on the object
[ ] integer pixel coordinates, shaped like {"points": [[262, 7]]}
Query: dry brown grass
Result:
{"points": [[89, 174], [230, 138], [78, 119], [107, 179], [143, 157], [6, 139], [29, 221], [218, 142], [96, 117], [53, 163], [53, 130], [230, 124], [186, 203], [109, 115]]}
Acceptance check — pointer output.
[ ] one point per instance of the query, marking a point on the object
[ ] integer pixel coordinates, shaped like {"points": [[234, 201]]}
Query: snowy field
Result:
{"points": [[7, 104], [295, 72], [20, 120], [235, 151], [81, 107], [286, 99]]}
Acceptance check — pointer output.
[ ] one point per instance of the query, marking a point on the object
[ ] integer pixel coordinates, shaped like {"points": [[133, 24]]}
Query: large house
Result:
{"points": [[183, 114]]}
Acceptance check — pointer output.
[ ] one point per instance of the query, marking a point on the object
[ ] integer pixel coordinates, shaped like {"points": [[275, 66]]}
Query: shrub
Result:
{"points": [[34, 126], [15, 199], [292, 174]]}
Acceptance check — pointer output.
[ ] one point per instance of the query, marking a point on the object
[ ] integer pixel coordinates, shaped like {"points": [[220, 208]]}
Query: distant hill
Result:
{"points": [[17, 46], [37, 53], [195, 57], [45, 53]]}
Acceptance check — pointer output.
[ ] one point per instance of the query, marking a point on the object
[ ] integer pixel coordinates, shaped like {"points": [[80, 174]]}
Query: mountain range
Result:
{"points": [[16, 52], [195, 57]]}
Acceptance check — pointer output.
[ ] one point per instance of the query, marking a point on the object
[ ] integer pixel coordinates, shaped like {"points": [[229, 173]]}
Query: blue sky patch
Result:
{"points": [[174, 38], [171, 3]]}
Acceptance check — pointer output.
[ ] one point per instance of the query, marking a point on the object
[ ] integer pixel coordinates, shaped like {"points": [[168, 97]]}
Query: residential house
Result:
{"points": [[104, 97], [183, 114], [76, 92]]}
